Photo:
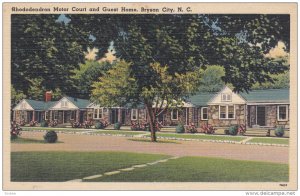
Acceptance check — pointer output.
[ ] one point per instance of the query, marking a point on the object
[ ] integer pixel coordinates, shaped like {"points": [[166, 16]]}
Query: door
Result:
{"points": [[123, 116], [114, 116], [261, 116]]}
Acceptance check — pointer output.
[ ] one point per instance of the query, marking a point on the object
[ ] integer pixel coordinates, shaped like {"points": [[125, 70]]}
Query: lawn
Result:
{"points": [[64, 166], [203, 169], [149, 140], [21, 140], [201, 137], [269, 141]]}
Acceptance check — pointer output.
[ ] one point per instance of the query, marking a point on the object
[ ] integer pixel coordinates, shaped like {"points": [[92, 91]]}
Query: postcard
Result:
{"points": [[150, 96]]}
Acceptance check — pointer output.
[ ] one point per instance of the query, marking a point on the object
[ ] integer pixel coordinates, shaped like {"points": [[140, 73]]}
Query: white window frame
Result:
{"points": [[46, 112], [176, 114], [64, 103], [228, 97], [98, 113], [203, 112], [286, 110], [136, 114], [226, 112]]}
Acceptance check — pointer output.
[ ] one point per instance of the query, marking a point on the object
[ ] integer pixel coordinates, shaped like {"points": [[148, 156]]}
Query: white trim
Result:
{"points": [[46, 112], [226, 112], [202, 113], [269, 103], [286, 110], [134, 111], [98, 113], [176, 114]]}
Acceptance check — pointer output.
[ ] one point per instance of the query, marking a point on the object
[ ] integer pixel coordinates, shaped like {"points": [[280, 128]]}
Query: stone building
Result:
{"points": [[258, 108]]}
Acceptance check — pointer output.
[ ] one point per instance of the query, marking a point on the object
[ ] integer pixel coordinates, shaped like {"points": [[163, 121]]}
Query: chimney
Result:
{"points": [[48, 96]]}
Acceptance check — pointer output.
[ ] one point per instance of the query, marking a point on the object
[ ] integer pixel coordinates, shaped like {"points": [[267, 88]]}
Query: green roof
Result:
{"points": [[201, 99], [80, 103], [40, 105], [267, 96]]}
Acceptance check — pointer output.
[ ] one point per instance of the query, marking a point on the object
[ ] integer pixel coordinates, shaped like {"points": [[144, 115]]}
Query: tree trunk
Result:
{"points": [[152, 121]]}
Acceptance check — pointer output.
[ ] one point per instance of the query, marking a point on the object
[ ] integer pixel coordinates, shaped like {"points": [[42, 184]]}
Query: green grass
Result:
{"points": [[158, 140], [269, 141], [203, 137], [21, 140], [64, 166], [203, 169]]}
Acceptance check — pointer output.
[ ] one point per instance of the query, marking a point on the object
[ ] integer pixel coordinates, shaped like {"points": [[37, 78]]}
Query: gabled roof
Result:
{"points": [[201, 99], [80, 103], [267, 96], [40, 105]]}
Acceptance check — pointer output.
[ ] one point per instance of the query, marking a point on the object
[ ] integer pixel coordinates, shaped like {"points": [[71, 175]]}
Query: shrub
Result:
{"points": [[53, 123], [87, 124], [135, 126], [233, 130], [279, 131], [101, 124], [208, 129], [76, 124], [242, 129], [50, 137], [180, 128], [191, 128], [44, 124], [33, 123], [15, 130], [117, 126]]}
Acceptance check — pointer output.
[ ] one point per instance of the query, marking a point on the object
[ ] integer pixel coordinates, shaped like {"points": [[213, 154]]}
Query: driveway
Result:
{"points": [[76, 142]]}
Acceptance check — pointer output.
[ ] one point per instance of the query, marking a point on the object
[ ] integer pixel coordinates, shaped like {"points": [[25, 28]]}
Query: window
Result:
{"points": [[55, 115], [227, 112], [282, 112], [134, 113], [46, 115], [230, 112], [226, 97], [64, 104], [174, 114], [204, 113], [222, 112], [73, 113], [23, 106], [98, 113]]}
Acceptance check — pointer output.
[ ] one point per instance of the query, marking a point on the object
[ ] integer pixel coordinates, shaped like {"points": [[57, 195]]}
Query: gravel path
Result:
{"points": [[76, 142]]}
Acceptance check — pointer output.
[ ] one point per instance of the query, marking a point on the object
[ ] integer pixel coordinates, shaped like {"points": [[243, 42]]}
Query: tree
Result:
{"points": [[86, 74], [211, 79], [47, 50], [119, 86]]}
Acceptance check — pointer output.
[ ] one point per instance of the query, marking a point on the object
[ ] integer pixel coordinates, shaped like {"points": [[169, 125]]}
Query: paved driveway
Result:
{"points": [[75, 142]]}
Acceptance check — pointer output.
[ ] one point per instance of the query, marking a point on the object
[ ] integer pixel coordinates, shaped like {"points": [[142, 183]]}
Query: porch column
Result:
{"points": [[50, 115], [186, 116], [33, 116], [14, 115], [77, 115], [120, 115], [63, 119]]}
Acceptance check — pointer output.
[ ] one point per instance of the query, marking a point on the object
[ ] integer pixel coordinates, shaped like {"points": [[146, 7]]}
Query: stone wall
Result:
{"points": [[214, 120], [270, 117]]}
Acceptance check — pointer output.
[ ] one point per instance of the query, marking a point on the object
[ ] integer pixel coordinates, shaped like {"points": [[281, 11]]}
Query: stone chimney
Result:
{"points": [[48, 96]]}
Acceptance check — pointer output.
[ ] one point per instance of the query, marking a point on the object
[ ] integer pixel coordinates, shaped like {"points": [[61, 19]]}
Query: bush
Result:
{"points": [[226, 131], [76, 124], [53, 123], [50, 137], [101, 124], [32, 123], [180, 128], [233, 130], [117, 126], [191, 128], [44, 124], [279, 131], [15, 130], [208, 129]]}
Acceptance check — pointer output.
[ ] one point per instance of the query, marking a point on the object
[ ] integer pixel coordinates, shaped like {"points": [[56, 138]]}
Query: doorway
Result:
{"points": [[114, 116], [261, 115]]}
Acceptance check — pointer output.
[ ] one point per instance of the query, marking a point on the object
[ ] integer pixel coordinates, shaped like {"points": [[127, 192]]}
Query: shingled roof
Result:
{"points": [[40, 105], [80, 103]]}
